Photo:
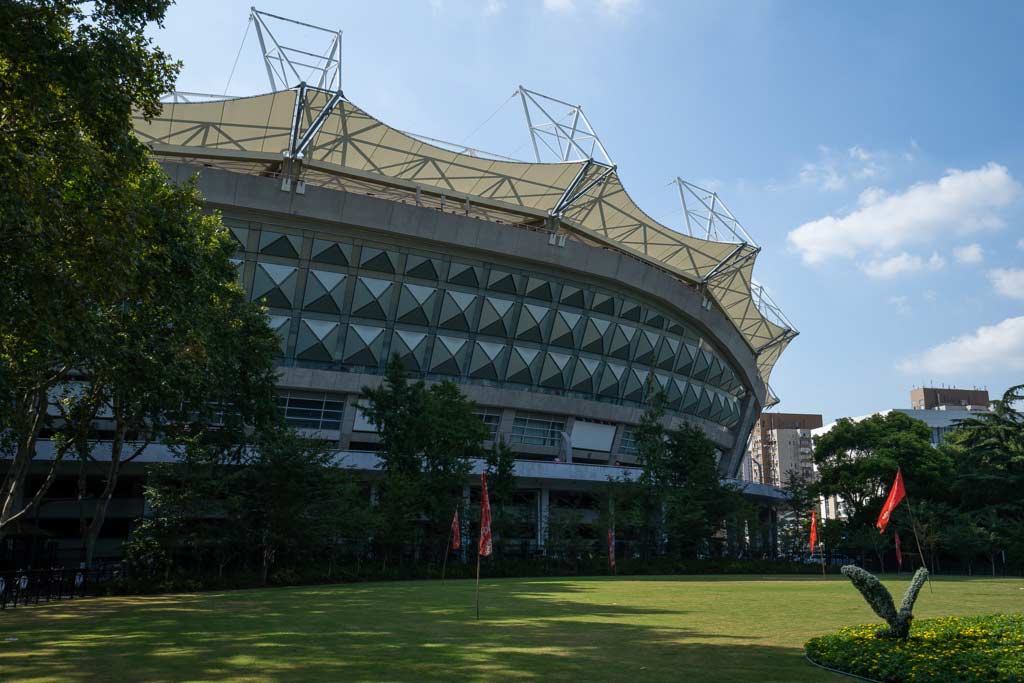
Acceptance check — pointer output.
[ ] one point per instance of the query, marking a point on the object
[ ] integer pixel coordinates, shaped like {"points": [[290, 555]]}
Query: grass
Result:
{"points": [[599, 629]]}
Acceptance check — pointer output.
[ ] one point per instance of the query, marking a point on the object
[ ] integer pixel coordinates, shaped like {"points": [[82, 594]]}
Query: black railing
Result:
{"points": [[21, 588]]}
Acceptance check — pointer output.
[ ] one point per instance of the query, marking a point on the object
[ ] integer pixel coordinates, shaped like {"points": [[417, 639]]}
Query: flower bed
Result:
{"points": [[986, 648]]}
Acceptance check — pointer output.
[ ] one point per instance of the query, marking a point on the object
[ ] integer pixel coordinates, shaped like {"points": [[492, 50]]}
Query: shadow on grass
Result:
{"points": [[551, 630]]}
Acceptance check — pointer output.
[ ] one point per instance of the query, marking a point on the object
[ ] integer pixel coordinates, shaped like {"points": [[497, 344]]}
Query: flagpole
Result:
{"points": [[913, 525], [478, 585], [447, 551]]}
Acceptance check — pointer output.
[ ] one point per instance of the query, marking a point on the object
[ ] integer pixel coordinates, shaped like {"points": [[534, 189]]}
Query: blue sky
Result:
{"points": [[874, 150]]}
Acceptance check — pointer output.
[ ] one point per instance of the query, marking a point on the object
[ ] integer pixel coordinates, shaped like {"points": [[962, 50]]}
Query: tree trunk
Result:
{"points": [[99, 514], [32, 413]]}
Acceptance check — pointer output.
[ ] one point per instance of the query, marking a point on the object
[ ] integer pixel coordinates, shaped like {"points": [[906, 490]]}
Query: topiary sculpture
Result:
{"points": [[881, 601]]}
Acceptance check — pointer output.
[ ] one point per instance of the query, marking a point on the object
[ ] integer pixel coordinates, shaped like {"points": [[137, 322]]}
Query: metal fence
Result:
{"points": [[21, 588]]}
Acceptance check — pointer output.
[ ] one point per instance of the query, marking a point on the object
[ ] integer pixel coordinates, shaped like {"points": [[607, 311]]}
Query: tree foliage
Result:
{"points": [[678, 504], [428, 435]]}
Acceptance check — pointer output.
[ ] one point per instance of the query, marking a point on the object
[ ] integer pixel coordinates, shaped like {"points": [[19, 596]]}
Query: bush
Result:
{"points": [[946, 650]]}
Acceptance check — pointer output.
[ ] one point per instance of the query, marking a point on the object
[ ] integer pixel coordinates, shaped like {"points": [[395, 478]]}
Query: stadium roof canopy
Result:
{"points": [[317, 136]]}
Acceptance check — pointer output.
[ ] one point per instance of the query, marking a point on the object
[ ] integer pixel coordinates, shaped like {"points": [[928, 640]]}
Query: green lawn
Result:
{"points": [[598, 629]]}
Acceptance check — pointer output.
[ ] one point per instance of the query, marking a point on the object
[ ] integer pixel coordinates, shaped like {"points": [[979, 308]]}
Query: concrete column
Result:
{"points": [[566, 453], [613, 455], [508, 416]]}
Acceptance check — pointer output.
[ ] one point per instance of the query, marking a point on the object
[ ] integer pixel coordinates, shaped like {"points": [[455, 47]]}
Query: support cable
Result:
{"points": [[245, 35], [488, 119]]}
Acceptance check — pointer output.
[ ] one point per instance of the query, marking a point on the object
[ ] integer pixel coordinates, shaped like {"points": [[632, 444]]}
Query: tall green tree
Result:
{"points": [[428, 435], [683, 502], [857, 461], [185, 352], [71, 75]]}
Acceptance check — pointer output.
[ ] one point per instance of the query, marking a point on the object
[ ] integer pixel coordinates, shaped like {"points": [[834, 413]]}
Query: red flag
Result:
{"points": [[899, 555], [896, 494], [485, 519], [611, 548], [456, 534], [814, 530]]}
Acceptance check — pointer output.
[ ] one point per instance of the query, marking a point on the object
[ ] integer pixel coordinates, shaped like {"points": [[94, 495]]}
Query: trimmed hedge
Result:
{"points": [[508, 568], [986, 648]]}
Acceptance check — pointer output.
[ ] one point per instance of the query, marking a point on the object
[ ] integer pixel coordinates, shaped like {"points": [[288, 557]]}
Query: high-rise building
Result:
{"points": [[780, 443], [945, 398]]}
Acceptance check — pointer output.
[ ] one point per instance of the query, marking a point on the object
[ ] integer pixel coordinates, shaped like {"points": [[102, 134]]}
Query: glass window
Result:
{"points": [[491, 417], [312, 411], [627, 444], [537, 430]]}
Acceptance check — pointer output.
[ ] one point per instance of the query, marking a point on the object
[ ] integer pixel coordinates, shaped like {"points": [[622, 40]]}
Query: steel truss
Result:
{"points": [[709, 215], [288, 65], [560, 128]]}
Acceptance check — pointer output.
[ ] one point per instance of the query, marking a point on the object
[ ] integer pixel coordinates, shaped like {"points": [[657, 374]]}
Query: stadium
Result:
{"points": [[554, 301]]}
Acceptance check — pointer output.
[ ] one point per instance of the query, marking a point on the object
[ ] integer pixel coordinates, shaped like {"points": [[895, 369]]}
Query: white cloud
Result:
{"points": [[969, 254], [901, 303], [494, 7], [859, 153], [436, 6], [616, 8], [901, 264], [833, 171], [560, 5], [1008, 281], [960, 202], [822, 174], [995, 347], [1020, 244]]}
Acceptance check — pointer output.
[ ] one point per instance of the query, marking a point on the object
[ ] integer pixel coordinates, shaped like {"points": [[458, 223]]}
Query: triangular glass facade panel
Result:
{"points": [[457, 311], [448, 355], [555, 370], [335, 253], [532, 323], [495, 317], [621, 340], [325, 292], [565, 329], [521, 365], [372, 298], [279, 244], [573, 296], [630, 311], [281, 325], [603, 303], [380, 260], [666, 357], [501, 281], [416, 304], [465, 275], [422, 267], [611, 380], [411, 348], [585, 375], [364, 345], [275, 284], [540, 288], [486, 361], [317, 340], [594, 334]]}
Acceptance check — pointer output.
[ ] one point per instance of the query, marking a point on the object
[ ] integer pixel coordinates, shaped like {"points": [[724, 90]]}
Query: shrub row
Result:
{"points": [[508, 568], [987, 648]]}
